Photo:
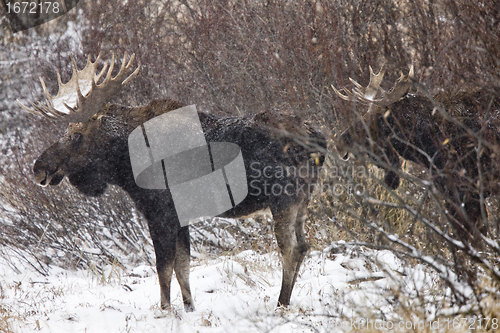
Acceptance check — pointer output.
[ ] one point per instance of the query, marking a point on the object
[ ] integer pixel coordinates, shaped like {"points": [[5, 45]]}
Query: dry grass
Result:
{"points": [[6, 319]]}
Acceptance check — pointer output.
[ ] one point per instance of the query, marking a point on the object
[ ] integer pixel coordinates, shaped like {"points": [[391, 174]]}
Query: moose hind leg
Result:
{"points": [[290, 239], [302, 246], [475, 224], [182, 266], [467, 220]]}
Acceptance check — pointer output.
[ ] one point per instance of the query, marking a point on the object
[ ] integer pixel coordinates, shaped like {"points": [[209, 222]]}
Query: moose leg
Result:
{"points": [[181, 267], [458, 222], [292, 246], [302, 245], [467, 220], [165, 243], [391, 178], [473, 209], [476, 225]]}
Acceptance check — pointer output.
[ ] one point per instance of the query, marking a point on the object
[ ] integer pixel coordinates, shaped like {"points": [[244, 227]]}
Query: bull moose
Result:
{"points": [[452, 134], [94, 153]]}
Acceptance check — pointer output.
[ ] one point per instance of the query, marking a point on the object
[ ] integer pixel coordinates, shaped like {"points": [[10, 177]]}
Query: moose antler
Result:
{"points": [[81, 97], [369, 94]]}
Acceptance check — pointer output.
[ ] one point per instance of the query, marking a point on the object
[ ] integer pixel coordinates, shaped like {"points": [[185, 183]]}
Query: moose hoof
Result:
{"points": [[282, 304], [165, 307], [189, 307]]}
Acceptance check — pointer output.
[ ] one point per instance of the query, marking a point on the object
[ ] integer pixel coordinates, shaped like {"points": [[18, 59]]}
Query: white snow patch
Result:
{"points": [[231, 294]]}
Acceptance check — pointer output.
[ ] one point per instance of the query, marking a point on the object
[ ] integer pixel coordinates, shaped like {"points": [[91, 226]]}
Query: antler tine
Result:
{"points": [[374, 84], [124, 63], [132, 57], [59, 81], [376, 79], [111, 66], [73, 66], [82, 97], [346, 97], [134, 73], [356, 84], [44, 87], [34, 111], [43, 110], [131, 76], [103, 70]]}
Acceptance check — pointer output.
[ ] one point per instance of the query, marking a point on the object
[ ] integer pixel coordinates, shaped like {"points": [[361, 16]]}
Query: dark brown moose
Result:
{"points": [[94, 153], [454, 135]]}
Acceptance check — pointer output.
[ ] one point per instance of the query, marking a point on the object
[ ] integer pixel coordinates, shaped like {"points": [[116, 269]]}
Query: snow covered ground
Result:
{"points": [[231, 293]]}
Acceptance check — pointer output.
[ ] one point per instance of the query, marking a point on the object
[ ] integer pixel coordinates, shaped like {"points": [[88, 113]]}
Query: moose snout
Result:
{"points": [[40, 174], [44, 176], [41, 179]]}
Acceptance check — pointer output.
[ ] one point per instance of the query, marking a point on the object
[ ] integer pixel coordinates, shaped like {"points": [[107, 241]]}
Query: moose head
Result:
{"points": [[372, 130], [81, 153]]}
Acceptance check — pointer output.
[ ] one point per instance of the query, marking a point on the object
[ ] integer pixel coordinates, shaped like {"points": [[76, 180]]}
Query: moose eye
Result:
{"points": [[76, 137]]}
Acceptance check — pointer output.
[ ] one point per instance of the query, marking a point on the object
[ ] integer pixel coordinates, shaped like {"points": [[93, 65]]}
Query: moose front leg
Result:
{"points": [[391, 178], [165, 244]]}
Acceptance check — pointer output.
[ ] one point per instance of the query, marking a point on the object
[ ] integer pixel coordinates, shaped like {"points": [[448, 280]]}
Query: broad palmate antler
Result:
{"points": [[373, 94], [81, 97]]}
